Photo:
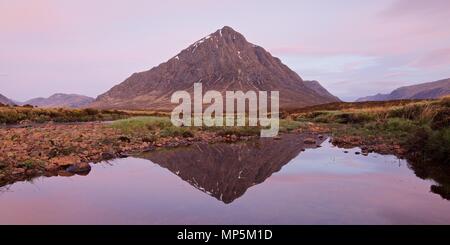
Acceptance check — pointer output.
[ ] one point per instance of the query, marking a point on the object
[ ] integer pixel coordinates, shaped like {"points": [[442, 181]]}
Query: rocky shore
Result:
{"points": [[368, 145], [61, 149], [67, 149]]}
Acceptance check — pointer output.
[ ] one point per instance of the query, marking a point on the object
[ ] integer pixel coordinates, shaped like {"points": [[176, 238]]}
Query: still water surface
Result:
{"points": [[264, 182]]}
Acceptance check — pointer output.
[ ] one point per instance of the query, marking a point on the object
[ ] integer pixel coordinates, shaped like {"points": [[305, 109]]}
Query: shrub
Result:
{"points": [[15, 114], [354, 117], [399, 124], [410, 112], [28, 164], [176, 132], [437, 146], [188, 134], [289, 125], [90, 111], [441, 119]]}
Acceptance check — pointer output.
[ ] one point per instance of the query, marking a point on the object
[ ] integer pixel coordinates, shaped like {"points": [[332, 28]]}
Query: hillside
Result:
{"points": [[5, 101], [61, 100], [431, 90]]}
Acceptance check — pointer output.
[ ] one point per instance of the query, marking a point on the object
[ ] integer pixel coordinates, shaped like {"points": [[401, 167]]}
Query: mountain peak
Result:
{"points": [[228, 31], [222, 61], [227, 28], [220, 39]]}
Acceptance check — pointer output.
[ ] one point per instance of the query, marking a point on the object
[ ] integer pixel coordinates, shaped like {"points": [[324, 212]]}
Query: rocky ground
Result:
{"points": [[379, 145], [66, 149]]}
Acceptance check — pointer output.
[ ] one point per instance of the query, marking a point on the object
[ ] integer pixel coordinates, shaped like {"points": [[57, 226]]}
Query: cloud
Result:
{"points": [[434, 59], [28, 16], [430, 8], [398, 43], [314, 65]]}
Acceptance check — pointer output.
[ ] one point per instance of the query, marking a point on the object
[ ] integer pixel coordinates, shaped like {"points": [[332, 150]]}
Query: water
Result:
{"points": [[263, 182]]}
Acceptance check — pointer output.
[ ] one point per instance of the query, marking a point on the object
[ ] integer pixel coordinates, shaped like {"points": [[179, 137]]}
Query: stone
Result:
{"points": [[30, 172], [148, 149], [51, 167], [309, 141], [18, 171], [78, 168], [107, 156], [65, 173], [65, 160], [122, 155]]}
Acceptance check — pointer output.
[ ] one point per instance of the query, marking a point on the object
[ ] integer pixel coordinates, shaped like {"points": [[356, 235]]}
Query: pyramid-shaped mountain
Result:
{"points": [[222, 61]]}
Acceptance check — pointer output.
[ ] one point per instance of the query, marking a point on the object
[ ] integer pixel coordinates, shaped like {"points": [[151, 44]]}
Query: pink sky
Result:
{"points": [[354, 48]]}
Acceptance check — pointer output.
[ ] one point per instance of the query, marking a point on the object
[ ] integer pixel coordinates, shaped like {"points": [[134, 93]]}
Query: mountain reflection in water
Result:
{"points": [[226, 171]]}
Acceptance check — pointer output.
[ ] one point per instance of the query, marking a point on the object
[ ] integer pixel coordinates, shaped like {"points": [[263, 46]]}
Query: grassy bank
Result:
{"points": [[421, 127], [18, 114], [154, 127]]}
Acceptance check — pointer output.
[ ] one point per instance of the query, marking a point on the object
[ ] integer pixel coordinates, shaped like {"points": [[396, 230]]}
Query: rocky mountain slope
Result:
{"points": [[222, 61], [318, 88], [431, 90], [5, 101]]}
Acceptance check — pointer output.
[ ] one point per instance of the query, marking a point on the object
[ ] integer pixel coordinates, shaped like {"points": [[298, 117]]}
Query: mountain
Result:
{"points": [[318, 88], [5, 101], [61, 100], [431, 90], [221, 61]]}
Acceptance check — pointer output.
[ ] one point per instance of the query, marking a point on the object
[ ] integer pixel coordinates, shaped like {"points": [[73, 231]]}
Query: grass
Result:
{"points": [[17, 114], [31, 164], [151, 127], [287, 125], [163, 127], [422, 127], [140, 125], [435, 112], [340, 106]]}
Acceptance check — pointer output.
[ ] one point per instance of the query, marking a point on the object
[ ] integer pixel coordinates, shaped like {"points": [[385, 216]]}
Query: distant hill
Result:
{"points": [[5, 101], [430, 90], [318, 88], [61, 100], [222, 61]]}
